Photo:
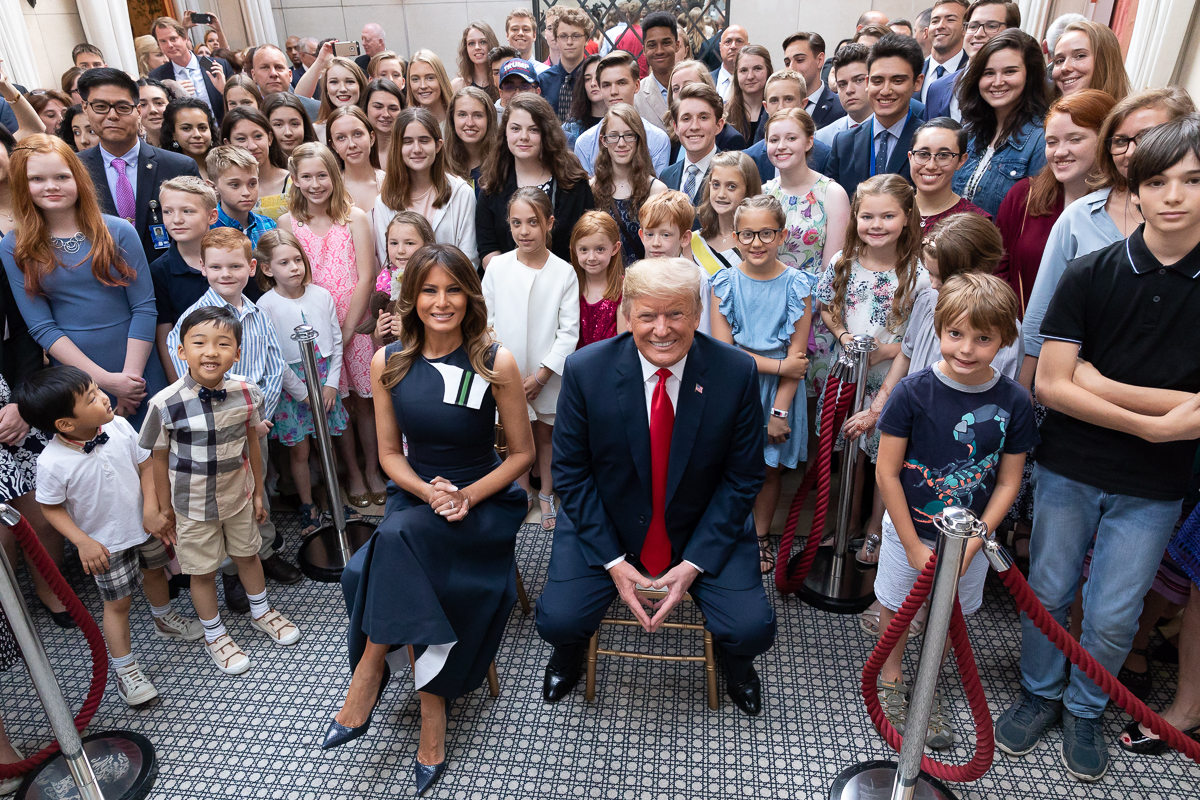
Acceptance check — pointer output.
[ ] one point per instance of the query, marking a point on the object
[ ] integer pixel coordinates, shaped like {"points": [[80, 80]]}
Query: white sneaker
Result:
{"points": [[133, 686], [276, 626], [176, 626], [228, 657]]}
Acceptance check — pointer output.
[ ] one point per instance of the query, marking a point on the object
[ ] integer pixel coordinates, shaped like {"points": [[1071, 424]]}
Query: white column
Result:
{"points": [[259, 22], [15, 46], [106, 24], [1035, 16], [1159, 32]]}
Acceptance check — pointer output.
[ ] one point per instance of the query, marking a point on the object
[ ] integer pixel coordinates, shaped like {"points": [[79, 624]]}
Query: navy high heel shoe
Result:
{"points": [[427, 776], [337, 734]]}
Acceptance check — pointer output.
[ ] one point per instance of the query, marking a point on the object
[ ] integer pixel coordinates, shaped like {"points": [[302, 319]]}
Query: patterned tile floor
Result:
{"points": [[648, 735]]}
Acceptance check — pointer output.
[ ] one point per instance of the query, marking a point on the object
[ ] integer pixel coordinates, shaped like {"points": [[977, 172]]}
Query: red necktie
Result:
{"points": [[656, 551]]}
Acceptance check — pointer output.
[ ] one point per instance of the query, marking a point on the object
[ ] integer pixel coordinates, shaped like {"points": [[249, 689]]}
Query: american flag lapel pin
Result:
{"points": [[699, 389]]}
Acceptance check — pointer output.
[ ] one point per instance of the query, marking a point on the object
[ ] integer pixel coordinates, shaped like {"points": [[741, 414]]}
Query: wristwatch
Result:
{"points": [[775, 412]]}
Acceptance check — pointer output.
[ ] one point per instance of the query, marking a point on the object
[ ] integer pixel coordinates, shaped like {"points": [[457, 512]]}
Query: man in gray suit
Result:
{"points": [[660, 34]]}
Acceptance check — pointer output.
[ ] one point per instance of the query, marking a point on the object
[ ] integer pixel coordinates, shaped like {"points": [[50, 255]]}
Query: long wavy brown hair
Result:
{"points": [[477, 336], [466, 68], [458, 159], [641, 168], [735, 109], [397, 188], [33, 251], [908, 249], [1087, 109], [557, 157]]}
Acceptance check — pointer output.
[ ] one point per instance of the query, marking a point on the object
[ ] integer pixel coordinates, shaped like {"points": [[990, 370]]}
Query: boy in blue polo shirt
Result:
{"points": [[234, 173]]}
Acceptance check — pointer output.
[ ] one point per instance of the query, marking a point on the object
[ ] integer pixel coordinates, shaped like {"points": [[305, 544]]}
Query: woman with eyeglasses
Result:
{"points": [[939, 147], [624, 175]]}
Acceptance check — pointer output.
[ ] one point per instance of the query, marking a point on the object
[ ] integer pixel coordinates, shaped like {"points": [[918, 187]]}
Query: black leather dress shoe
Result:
{"points": [[562, 673], [281, 571], [747, 695], [235, 594]]}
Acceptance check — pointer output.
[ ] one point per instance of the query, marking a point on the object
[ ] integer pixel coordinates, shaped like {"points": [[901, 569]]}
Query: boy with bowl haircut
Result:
{"points": [[189, 209], [1119, 373], [234, 174], [208, 467], [228, 264], [95, 487], [954, 434], [666, 232]]}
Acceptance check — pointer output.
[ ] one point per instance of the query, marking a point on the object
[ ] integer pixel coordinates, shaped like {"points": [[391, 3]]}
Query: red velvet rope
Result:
{"points": [[984, 733], [1027, 602], [790, 573], [41, 561]]}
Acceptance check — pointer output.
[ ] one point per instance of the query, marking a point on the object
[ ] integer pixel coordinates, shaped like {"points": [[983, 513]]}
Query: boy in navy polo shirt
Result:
{"points": [[189, 209], [955, 433], [1117, 444]]}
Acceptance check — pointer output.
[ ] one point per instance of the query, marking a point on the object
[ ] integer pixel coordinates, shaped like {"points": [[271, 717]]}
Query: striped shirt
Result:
{"points": [[208, 460], [262, 359]]}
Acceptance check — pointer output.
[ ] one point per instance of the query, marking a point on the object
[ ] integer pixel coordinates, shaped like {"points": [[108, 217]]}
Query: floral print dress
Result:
{"points": [[803, 247], [866, 308]]}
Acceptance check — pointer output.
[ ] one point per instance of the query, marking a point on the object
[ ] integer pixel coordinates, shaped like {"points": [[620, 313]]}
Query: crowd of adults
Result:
{"points": [[863, 159]]}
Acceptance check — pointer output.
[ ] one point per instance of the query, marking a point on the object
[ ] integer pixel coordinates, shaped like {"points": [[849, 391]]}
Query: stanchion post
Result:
{"points": [[59, 715]]}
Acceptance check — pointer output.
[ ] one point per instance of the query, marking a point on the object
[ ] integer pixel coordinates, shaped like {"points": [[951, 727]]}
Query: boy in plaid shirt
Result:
{"points": [[208, 469], [94, 485]]}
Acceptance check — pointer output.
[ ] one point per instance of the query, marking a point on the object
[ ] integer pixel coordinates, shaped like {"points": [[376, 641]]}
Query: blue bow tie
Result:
{"points": [[91, 445], [207, 395]]}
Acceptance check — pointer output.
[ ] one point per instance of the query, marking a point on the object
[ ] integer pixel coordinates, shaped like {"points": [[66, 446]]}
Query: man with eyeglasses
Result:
{"points": [[572, 28], [126, 171], [986, 19], [946, 29], [617, 76]]}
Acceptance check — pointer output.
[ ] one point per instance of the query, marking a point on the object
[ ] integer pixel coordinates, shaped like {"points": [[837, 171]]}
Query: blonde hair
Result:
{"points": [[271, 241], [340, 201], [596, 222], [786, 75], [1108, 65], [189, 184], [144, 47], [660, 277], [379, 58], [439, 70], [225, 157], [987, 302]]}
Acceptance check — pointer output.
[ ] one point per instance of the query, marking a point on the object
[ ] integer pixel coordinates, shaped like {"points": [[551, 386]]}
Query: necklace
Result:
{"points": [[70, 245]]}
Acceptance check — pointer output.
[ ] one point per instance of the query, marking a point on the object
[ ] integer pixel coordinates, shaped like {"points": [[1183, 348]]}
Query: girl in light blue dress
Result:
{"points": [[766, 310]]}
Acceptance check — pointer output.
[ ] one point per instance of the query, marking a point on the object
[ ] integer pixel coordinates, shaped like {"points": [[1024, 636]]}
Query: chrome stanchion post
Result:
{"points": [[326, 551], [836, 583], [128, 759], [880, 780]]}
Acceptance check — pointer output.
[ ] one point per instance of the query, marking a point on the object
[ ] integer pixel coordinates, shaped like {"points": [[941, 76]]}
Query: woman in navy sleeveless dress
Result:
{"points": [[439, 574]]}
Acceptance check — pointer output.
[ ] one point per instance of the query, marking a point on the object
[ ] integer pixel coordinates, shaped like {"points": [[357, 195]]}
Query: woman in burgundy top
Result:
{"points": [[1033, 205], [938, 149]]}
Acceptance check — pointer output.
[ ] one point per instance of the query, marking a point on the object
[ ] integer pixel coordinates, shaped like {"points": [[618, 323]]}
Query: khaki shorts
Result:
{"points": [[201, 545]]}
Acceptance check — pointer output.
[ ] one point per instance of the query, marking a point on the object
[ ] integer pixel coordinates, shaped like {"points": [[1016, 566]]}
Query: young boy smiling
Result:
{"points": [[234, 173], [666, 232]]}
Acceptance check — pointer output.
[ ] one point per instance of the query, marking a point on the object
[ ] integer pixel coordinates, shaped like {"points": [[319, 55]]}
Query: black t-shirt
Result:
{"points": [[956, 435], [1138, 322]]}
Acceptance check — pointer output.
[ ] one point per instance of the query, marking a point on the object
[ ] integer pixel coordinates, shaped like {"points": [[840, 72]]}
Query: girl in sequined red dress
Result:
{"points": [[596, 256]]}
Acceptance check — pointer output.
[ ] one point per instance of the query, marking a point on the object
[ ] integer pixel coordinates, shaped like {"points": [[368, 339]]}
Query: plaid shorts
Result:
{"points": [[125, 569]]}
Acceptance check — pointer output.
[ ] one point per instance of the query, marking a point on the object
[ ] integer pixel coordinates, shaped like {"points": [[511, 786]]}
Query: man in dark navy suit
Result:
{"points": [[125, 170], [198, 75], [947, 26], [881, 143], [658, 457], [699, 118], [804, 52]]}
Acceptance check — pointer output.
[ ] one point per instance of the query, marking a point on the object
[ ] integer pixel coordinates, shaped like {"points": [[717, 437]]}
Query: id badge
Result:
{"points": [[158, 235]]}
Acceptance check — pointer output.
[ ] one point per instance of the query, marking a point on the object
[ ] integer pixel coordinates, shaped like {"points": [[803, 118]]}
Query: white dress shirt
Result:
{"points": [[193, 73], [131, 164], [950, 65], [810, 103], [702, 165], [724, 83], [827, 134], [650, 383]]}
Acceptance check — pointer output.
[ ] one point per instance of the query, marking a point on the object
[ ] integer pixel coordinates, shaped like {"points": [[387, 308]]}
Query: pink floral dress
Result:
{"points": [[334, 269]]}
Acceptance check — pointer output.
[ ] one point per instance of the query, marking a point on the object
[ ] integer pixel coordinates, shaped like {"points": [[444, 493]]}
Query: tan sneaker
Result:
{"points": [[894, 699], [176, 626], [277, 627], [228, 657], [133, 686]]}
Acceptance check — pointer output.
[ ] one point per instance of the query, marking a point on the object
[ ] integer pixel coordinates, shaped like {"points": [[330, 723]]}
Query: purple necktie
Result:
{"points": [[126, 204]]}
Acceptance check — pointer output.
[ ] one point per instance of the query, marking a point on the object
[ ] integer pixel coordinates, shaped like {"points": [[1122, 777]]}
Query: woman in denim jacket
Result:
{"points": [[1003, 100]]}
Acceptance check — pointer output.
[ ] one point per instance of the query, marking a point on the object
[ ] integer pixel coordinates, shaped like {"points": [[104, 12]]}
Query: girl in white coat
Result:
{"points": [[417, 179], [533, 305]]}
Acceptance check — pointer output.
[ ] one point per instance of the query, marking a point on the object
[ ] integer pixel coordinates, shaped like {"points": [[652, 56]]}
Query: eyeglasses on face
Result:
{"points": [[102, 108], [766, 235], [1119, 144], [629, 137], [991, 26], [571, 37], [943, 158]]}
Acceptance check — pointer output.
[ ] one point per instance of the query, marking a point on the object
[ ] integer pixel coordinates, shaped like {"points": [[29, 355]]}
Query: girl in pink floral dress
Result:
{"points": [[336, 237]]}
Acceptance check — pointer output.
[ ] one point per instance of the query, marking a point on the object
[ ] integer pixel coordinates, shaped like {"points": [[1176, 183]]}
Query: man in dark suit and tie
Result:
{"points": [[947, 26], [198, 76], [658, 457], [804, 52], [126, 171], [881, 143], [699, 116]]}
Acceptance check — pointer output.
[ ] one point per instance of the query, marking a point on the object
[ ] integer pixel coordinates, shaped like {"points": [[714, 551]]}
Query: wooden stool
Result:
{"points": [[710, 664]]}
